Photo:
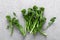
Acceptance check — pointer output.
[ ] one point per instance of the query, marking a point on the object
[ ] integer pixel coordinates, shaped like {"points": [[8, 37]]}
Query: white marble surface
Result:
{"points": [[52, 8]]}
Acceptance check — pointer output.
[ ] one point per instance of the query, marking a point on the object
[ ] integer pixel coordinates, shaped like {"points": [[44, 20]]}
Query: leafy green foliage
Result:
{"points": [[14, 21], [52, 20], [14, 13], [34, 18], [10, 26]]}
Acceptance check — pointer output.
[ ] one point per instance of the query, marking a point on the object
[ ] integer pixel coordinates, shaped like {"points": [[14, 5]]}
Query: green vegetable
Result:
{"points": [[33, 26], [14, 21], [14, 13], [19, 27], [52, 20], [23, 11], [10, 23], [34, 19], [43, 33]]}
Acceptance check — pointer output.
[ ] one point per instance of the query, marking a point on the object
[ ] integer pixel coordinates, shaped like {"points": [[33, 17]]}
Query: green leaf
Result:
{"points": [[14, 13]]}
